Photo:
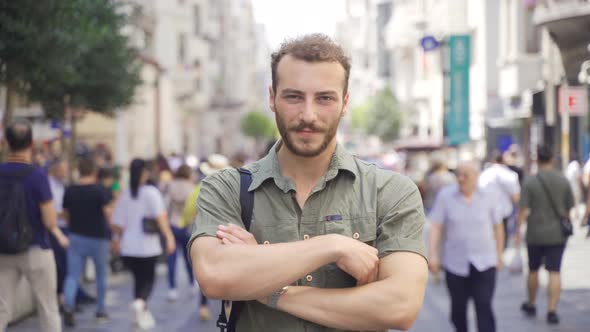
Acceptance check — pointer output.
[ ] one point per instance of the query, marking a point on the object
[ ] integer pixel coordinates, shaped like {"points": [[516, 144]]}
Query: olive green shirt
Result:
{"points": [[543, 226], [354, 198]]}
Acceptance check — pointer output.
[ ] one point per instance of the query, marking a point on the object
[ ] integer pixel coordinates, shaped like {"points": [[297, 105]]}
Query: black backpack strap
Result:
{"points": [[247, 206]]}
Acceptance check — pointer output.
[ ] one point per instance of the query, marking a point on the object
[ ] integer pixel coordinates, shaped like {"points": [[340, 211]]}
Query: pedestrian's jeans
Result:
{"points": [[38, 266], [80, 248], [182, 236], [480, 286]]}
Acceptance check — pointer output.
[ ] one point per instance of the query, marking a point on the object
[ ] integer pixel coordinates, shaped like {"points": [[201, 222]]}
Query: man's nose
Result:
{"points": [[308, 112]]}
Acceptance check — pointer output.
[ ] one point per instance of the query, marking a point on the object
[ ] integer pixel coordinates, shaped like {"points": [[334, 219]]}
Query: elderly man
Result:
{"points": [[474, 237]]}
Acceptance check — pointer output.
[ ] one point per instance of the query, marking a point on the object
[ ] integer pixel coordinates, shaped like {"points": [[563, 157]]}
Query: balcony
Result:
{"points": [[568, 22], [520, 74]]}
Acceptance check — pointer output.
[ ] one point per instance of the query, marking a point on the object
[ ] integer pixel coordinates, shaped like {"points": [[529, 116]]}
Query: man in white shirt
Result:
{"points": [[501, 182]]}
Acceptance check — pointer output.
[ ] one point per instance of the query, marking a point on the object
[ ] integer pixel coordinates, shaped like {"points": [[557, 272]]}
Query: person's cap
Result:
{"points": [[214, 163]]}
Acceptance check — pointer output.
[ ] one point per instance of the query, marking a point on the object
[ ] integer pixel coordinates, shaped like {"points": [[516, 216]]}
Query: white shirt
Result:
{"points": [[502, 183], [128, 215], [468, 230], [58, 190]]}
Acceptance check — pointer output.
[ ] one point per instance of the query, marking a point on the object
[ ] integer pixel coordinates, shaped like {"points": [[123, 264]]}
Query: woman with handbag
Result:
{"points": [[138, 220]]}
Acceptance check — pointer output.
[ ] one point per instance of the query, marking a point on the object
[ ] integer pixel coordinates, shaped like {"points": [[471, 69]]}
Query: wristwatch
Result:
{"points": [[274, 297]]}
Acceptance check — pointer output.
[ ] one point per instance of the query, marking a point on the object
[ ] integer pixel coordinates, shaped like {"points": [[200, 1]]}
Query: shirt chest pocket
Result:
{"points": [[359, 228]]}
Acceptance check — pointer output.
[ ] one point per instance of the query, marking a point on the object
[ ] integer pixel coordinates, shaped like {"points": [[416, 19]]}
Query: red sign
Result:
{"points": [[573, 100]]}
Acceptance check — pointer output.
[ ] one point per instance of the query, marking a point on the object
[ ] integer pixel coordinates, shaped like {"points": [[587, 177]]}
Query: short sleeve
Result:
{"points": [[525, 195], [42, 189], [400, 215], [218, 204], [66, 204], [155, 201], [437, 214]]}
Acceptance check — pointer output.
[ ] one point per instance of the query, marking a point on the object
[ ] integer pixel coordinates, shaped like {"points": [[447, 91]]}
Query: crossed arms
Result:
{"points": [[388, 295]]}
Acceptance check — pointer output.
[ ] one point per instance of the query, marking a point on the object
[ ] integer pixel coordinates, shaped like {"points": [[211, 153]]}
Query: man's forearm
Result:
{"points": [[250, 272], [499, 237], [381, 305]]}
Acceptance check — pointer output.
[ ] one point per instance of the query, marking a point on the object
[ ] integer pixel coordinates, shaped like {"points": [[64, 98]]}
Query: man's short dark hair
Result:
{"points": [[316, 47], [19, 135], [544, 154], [86, 167]]}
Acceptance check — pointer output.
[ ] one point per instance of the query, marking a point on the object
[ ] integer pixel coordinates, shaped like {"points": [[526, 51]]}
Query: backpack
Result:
{"points": [[247, 204], [16, 233]]}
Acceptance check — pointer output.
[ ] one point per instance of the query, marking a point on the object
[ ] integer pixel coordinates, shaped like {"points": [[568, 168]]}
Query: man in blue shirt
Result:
{"points": [[37, 263]]}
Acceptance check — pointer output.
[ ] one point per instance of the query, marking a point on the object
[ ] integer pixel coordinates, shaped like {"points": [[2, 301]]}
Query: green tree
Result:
{"points": [[257, 125], [384, 117], [66, 51]]}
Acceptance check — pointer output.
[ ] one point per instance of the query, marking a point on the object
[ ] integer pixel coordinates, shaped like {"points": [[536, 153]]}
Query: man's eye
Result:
{"points": [[292, 97], [326, 98]]}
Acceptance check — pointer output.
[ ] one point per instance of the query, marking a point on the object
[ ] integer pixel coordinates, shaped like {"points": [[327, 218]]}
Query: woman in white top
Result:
{"points": [[139, 218]]}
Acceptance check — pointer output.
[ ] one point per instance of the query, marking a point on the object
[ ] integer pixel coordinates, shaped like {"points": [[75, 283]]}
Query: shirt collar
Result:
{"points": [[268, 168]]}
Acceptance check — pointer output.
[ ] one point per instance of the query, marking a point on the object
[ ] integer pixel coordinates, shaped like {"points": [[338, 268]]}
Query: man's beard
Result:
{"points": [[328, 135]]}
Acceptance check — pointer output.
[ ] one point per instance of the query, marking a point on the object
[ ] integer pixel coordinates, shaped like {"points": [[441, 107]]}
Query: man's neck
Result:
{"points": [[545, 166], [87, 180], [20, 157], [305, 169]]}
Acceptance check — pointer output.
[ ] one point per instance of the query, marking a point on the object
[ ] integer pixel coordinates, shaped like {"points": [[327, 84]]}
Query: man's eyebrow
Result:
{"points": [[286, 91], [327, 92]]}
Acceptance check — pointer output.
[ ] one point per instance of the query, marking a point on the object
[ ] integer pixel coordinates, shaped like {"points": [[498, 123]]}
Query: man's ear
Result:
{"points": [[345, 104], [271, 99]]}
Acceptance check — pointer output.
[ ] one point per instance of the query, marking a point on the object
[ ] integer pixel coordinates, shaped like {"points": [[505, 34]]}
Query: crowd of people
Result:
{"points": [[476, 213], [84, 214]]}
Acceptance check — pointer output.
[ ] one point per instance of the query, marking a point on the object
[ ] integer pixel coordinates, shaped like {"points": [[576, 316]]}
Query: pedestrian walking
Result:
{"points": [[139, 218], [333, 243], [471, 225], [27, 215], [573, 174], [546, 200], [179, 190], [87, 209], [502, 183]]}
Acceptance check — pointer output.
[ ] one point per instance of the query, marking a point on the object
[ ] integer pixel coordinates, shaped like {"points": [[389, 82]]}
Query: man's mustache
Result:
{"points": [[307, 126]]}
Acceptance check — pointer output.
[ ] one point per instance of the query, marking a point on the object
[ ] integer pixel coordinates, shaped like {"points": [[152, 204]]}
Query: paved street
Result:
{"points": [[182, 315]]}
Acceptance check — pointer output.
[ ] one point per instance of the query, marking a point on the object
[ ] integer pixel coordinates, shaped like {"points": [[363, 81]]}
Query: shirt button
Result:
{"points": [[306, 237], [266, 242], [356, 236], [309, 278]]}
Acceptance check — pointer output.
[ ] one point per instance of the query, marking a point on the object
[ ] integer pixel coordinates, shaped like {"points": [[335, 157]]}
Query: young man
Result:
{"points": [[335, 243], [87, 209], [37, 263], [544, 238], [473, 245]]}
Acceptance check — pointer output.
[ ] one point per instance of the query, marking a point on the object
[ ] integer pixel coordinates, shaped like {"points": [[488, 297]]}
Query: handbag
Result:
{"points": [[150, 225], [567, 228]]}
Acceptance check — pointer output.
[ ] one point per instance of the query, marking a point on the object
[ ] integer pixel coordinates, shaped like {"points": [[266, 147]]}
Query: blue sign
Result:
{"points": [[457, 117], [429, 43]]}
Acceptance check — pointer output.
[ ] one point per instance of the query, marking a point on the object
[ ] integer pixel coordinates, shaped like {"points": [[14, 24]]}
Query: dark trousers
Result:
{"points": [[479, 286], [144, 275]]}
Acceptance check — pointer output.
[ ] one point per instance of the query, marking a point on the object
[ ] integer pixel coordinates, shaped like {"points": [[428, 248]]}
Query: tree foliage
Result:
{"points": [[257, 125], [384, 116], [53, 49]]}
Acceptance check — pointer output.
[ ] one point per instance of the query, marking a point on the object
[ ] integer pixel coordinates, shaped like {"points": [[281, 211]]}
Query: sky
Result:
{"points": [[290, 18]]}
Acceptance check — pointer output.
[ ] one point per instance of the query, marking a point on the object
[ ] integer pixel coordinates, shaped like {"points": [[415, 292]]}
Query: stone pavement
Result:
{"points": [[182, 315]]}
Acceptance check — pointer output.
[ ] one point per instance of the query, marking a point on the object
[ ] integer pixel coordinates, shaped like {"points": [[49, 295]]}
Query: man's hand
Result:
{"points": [[358, 259], [434, 264], [499, 265], [63, 240], [233, 234]]}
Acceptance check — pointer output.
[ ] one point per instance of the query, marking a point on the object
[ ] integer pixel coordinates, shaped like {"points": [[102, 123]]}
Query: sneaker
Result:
{"points": [[528, 309], [69, 320], [552, 318], [146, 320], [102, 317], [138, 307], [204, 313], [172, 295]]}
